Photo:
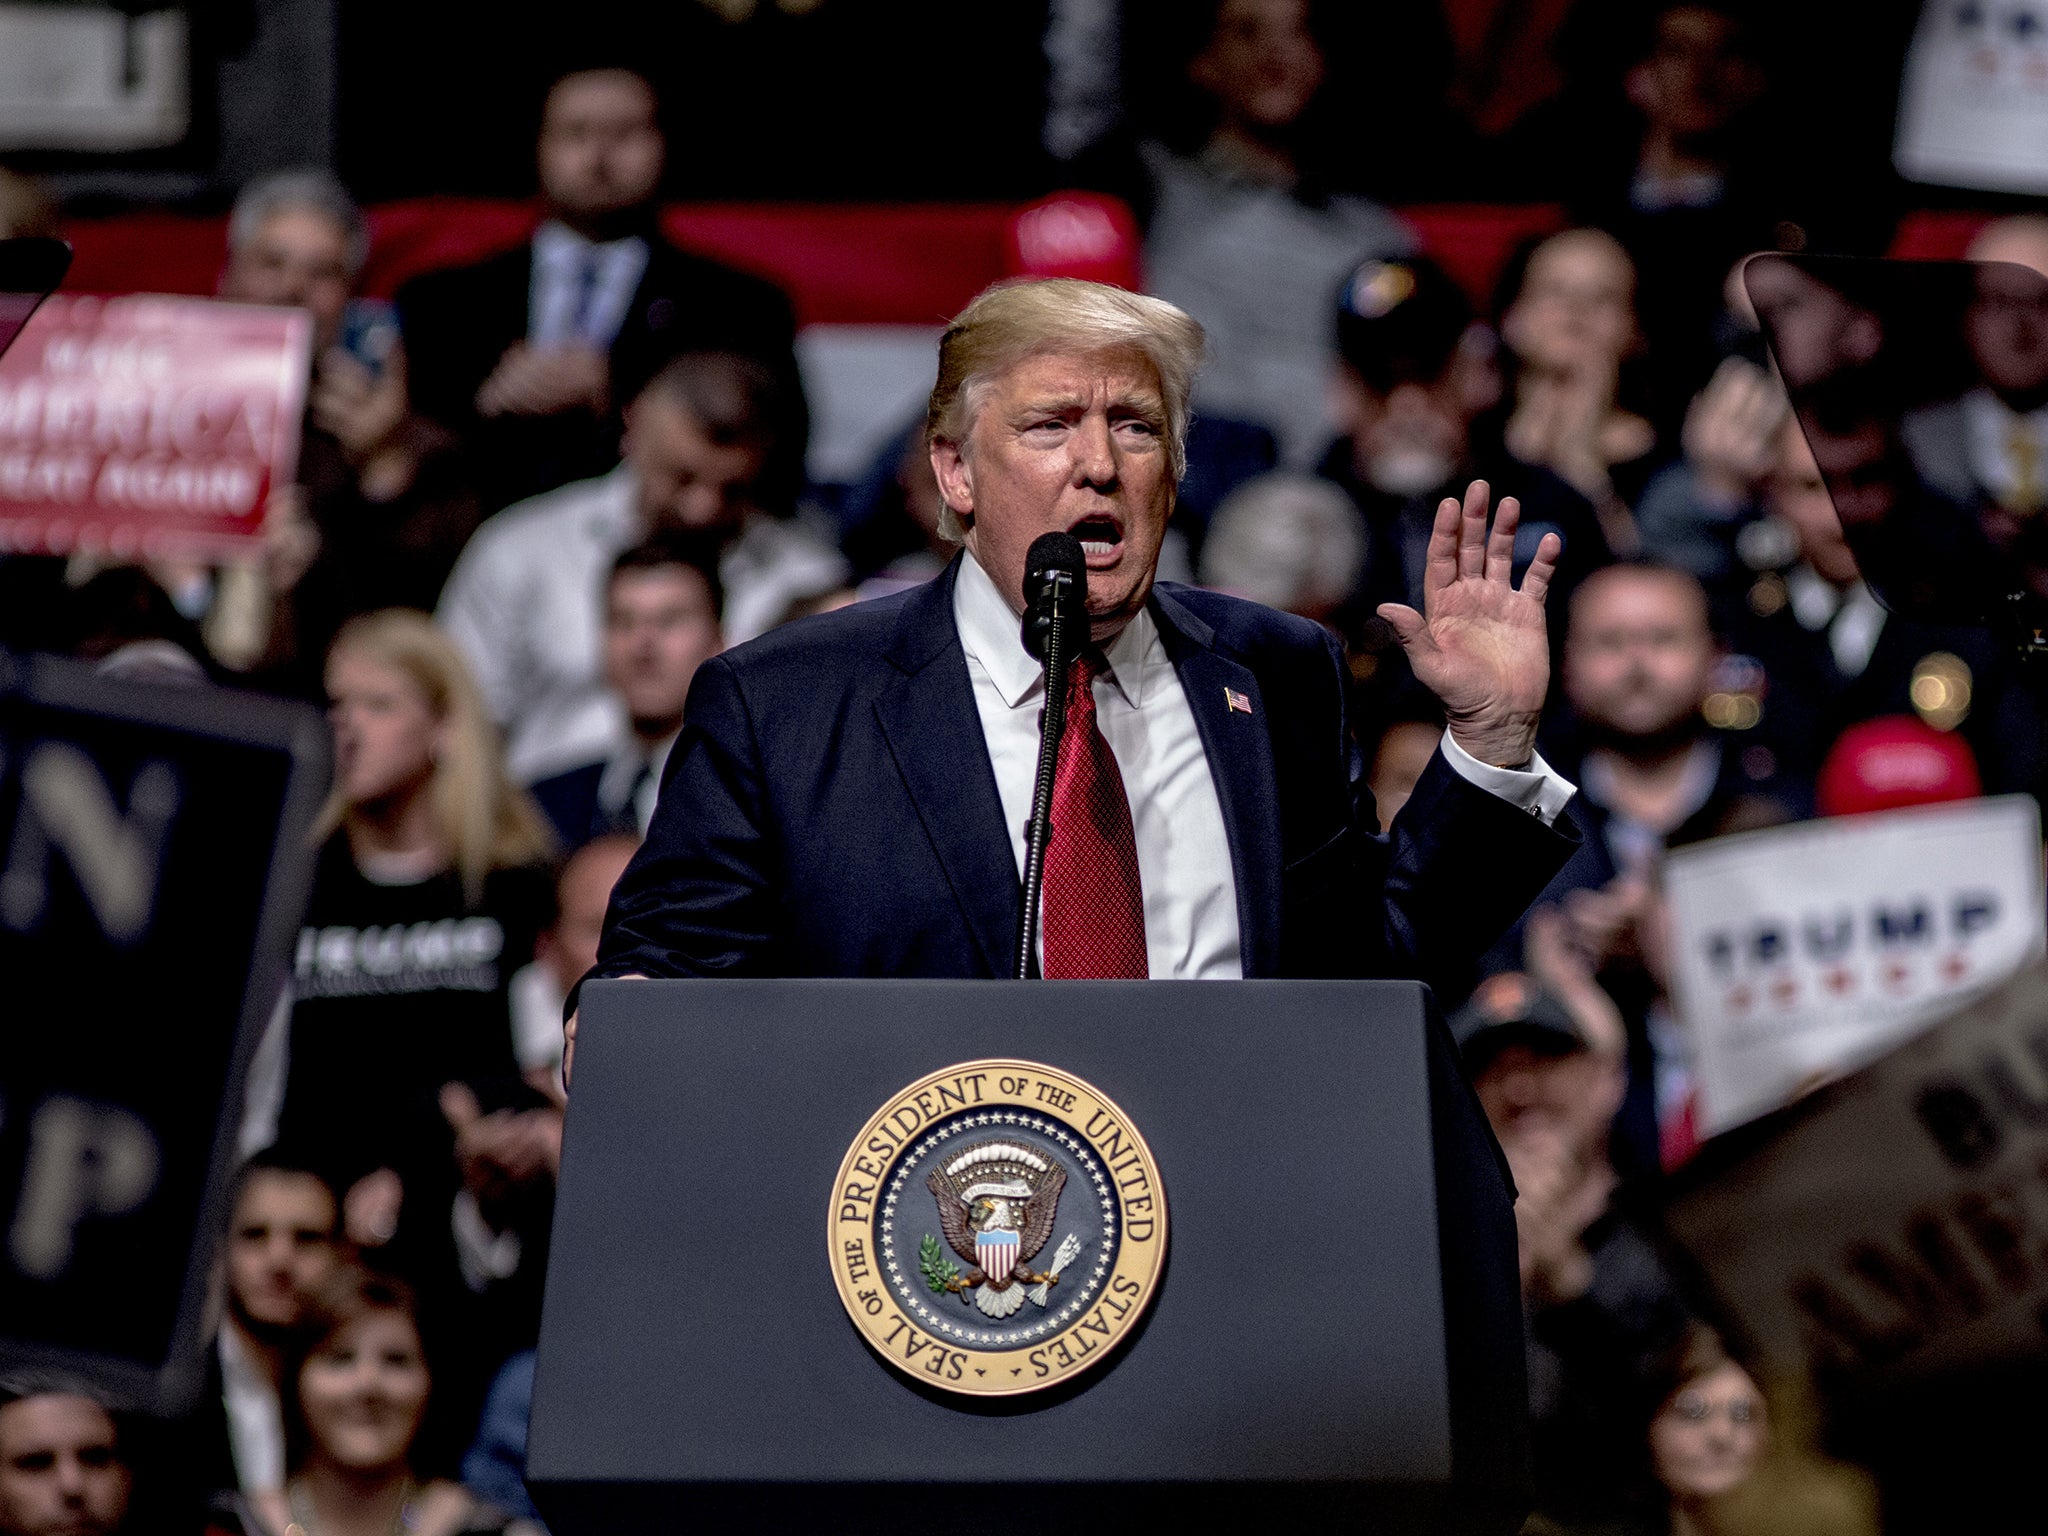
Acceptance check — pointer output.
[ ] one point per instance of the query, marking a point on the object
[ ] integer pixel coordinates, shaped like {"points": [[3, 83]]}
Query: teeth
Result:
{"points": [[1096, 547]]}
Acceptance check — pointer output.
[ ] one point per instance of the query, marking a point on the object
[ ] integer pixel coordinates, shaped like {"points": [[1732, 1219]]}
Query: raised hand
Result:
{"points": [[1479, 644]]}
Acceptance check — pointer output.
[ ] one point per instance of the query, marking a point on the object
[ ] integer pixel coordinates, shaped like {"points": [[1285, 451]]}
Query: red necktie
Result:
{"points": [[1093, 905]]}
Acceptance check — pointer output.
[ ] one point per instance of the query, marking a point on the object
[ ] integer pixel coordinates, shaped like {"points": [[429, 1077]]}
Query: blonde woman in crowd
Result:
{"points": [[431, 888]]}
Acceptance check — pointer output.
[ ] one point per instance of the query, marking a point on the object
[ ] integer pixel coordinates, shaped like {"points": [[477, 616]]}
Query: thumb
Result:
{"points": [[1408, 625]]}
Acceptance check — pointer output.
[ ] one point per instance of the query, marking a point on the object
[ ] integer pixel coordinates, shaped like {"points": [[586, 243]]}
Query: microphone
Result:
{"points": [[1055, 590], [1055, 627]]}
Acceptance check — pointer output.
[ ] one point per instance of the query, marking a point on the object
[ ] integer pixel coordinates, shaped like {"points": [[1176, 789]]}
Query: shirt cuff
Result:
{"points": [[1538, 788]]}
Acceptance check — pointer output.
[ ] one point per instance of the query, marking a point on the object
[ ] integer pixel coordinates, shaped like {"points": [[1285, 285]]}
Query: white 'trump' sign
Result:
{"points": [[1805, 951]]}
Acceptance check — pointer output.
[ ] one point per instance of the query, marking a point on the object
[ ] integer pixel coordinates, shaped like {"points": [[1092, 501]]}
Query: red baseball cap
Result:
{"points": [[1075, 234], [1895, 761]]}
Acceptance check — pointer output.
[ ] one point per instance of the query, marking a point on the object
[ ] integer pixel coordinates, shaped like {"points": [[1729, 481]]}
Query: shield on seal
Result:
{"points": [[997, 1252]]}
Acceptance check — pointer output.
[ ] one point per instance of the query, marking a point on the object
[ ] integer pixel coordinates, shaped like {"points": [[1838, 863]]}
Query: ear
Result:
{"points": [[955, 476]]}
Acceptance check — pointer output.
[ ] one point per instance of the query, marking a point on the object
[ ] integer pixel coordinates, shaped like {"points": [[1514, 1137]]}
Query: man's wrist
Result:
{"points": [[1503, 744]]}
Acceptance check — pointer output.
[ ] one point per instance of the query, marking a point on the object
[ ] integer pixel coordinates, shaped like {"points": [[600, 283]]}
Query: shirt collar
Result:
{"points": [[555, 241], [992, 637], [1702, 772], [1815, 600], [238, 1368]]}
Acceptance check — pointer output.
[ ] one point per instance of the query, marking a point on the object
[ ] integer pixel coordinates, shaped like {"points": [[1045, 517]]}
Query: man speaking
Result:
{"points": [[849, 795]]}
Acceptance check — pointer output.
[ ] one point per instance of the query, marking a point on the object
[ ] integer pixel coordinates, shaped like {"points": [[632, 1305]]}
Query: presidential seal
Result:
{"points": [[997, 1228]]}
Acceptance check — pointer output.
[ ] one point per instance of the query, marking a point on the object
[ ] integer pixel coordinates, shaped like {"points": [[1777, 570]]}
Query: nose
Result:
{"points": [[70, 1479], [1094, 454]]}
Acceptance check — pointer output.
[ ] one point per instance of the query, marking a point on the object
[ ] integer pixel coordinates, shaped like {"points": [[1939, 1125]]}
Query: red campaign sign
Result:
{"points": [[148, 424]]}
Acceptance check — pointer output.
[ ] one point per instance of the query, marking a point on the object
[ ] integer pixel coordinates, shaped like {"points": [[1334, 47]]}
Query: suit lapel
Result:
{"points": [[934, 733], [1230, 716]]}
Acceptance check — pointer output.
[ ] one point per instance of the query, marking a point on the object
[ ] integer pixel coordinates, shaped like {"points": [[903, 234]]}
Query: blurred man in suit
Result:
{"points": [[530, 353]]}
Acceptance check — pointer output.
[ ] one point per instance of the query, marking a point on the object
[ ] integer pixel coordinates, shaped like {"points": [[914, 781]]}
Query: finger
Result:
{"points": [[459, 1106], [1536, 580], [1440, 568], [1500, 545], [1472, 531], [1408, 625]]}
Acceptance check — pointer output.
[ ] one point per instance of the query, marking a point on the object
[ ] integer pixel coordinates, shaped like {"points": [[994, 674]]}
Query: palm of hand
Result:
{"points": [[1484, 644], [1480, 644]]}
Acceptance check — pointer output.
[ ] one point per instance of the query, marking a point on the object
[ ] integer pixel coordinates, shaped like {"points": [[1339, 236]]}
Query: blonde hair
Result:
{"points": [[1030, 317], [480, 816]]}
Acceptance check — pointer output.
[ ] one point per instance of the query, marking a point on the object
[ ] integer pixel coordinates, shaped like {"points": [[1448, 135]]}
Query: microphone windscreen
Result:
{"points": [[1051, 556], [1053, 552]]}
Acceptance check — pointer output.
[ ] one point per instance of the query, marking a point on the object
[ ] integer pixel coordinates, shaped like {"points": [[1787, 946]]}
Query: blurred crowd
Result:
{"points": [[535, 494]]}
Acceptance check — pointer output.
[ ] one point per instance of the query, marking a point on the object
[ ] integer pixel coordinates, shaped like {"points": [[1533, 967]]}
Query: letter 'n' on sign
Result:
{"points": [[67, 808]]}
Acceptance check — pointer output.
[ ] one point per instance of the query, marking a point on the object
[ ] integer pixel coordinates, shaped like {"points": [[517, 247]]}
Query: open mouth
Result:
{"points": [[1100, 538]]}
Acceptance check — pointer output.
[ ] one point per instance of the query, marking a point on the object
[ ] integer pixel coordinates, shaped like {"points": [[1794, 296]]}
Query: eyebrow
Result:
{"points": [[1140, 400]]}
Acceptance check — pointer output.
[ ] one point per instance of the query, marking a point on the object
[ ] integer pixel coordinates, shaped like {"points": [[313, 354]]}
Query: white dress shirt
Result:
{"points": [[255, 1419], [623, 776], [1852, 616], [581, 288], [1184, 862]]}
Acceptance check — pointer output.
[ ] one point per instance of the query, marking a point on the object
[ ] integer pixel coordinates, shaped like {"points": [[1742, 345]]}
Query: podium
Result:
{"points": [[1336, 1330]]}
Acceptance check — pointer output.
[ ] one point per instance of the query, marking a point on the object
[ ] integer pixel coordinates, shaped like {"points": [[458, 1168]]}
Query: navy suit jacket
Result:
{"points": [[830, 810], [459, 322]]}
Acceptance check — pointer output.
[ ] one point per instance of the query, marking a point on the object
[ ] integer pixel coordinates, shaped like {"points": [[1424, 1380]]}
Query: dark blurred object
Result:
{"points": [[1399, 321], [26, 207], [800, 99], [123, 608], [31, 267], [156, 858], [31, 588], [1887, 363], [1386, 76], [1509, 1008], [1884, 765]]}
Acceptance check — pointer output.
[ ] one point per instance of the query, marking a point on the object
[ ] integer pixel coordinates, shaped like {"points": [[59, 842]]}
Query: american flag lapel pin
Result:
{"points": [[1240, 702]]}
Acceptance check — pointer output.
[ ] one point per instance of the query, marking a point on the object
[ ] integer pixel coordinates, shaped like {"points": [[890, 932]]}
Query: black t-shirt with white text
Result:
{"points": [[399, 989]]}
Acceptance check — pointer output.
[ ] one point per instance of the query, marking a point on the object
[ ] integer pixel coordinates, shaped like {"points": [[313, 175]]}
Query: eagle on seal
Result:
{"points": [[997, 1203]]}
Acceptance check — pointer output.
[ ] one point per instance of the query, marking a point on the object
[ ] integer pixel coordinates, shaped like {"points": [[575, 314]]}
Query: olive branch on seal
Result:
{"points": [[939, 1272]]}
